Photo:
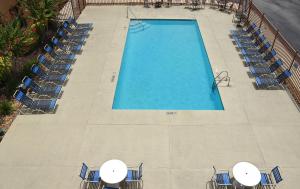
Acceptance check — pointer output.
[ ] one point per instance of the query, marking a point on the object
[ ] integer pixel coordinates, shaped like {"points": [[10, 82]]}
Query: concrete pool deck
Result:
{"points": [[178, 148]]}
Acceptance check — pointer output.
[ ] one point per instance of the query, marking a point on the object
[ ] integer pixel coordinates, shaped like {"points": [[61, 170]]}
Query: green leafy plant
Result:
{"points": [[6, 107], [5, 66], [41, 12], [11, 80], [26, 71], [12, 38]]}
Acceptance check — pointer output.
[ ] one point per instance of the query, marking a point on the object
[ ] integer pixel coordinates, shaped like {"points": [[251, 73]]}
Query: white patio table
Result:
{"points": [[246, 174], [113, 171]]}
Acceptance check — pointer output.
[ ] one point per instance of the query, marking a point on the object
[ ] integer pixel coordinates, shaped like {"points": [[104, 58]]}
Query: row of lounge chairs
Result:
{"points": [[260, 57], [40, 94]]}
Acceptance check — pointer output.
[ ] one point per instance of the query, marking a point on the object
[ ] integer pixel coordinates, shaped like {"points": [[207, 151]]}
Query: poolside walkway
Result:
{"points": [[178, 148]]}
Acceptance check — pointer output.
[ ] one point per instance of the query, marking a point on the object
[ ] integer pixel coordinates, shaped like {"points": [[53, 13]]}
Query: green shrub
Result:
{"points": [[41, 12], [27, 68], [5, 67], [11, 80], [6, 107], [12, 38]]}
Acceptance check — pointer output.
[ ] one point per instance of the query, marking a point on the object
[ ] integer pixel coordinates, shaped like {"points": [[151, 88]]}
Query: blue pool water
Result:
{"points": [[165, 67]]}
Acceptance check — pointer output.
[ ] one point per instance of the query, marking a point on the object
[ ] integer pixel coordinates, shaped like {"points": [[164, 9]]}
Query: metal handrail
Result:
{"points": [[221, 73], [225, 78]]}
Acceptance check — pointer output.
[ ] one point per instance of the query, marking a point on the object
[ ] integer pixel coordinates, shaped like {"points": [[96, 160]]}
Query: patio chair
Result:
{"points": [[157, 4], [73, 31], [66, 47], [214, 4], [59, 55], [169, 3], [221, 178], [256, 52], [195, 4], [268, 81], [86, 26], [260, 60], [48, 76], [146, 4], [134, 176], [188, 4], [35, 106], [247, 39], [265, 69], [241, 32], [78, 40], [264, 58], [60, 68], [89, 177], [270, 179], [259, 40], [48, 91], [203, 3]]}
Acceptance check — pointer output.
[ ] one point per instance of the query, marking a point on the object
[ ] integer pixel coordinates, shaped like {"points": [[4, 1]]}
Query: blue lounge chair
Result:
{"points": [[59, 55], [78, 40], [221, 178], [256, 52], [250, 29], [90, 177], [50, 91], [73, 31], [267, 81], [49, 76], [265, 69], [61, 68], [270, 179], [85, 26], [259, 40], [67, 47], [247, 38], [250, 60], [35, 106]]}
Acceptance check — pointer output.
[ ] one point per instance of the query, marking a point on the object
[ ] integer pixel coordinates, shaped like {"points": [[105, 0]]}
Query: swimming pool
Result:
{"points": [[165, 67]]}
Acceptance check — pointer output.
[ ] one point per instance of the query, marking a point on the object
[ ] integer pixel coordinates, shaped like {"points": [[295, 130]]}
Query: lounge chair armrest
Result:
{"points": [[57, 72], [225, 184], [93, 181], [44, 95]]}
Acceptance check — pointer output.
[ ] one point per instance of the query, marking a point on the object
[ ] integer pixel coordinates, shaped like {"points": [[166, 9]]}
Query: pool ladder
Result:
{"points": [[218, 79]]}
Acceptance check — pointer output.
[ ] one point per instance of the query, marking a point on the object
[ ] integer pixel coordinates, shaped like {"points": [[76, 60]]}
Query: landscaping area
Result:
{"points": [[22, 37]]}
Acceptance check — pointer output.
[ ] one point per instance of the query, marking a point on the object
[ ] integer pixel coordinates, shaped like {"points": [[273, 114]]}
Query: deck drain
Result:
{"points": [[171, 113]]}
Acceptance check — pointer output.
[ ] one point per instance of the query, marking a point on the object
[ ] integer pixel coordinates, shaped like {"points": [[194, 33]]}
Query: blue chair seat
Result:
{"points": [[259, 70], [52, 104], [94, 176], [264, 179], [132, 175], [58, 89], [76, 48], [260, 81], [223, 178]]}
